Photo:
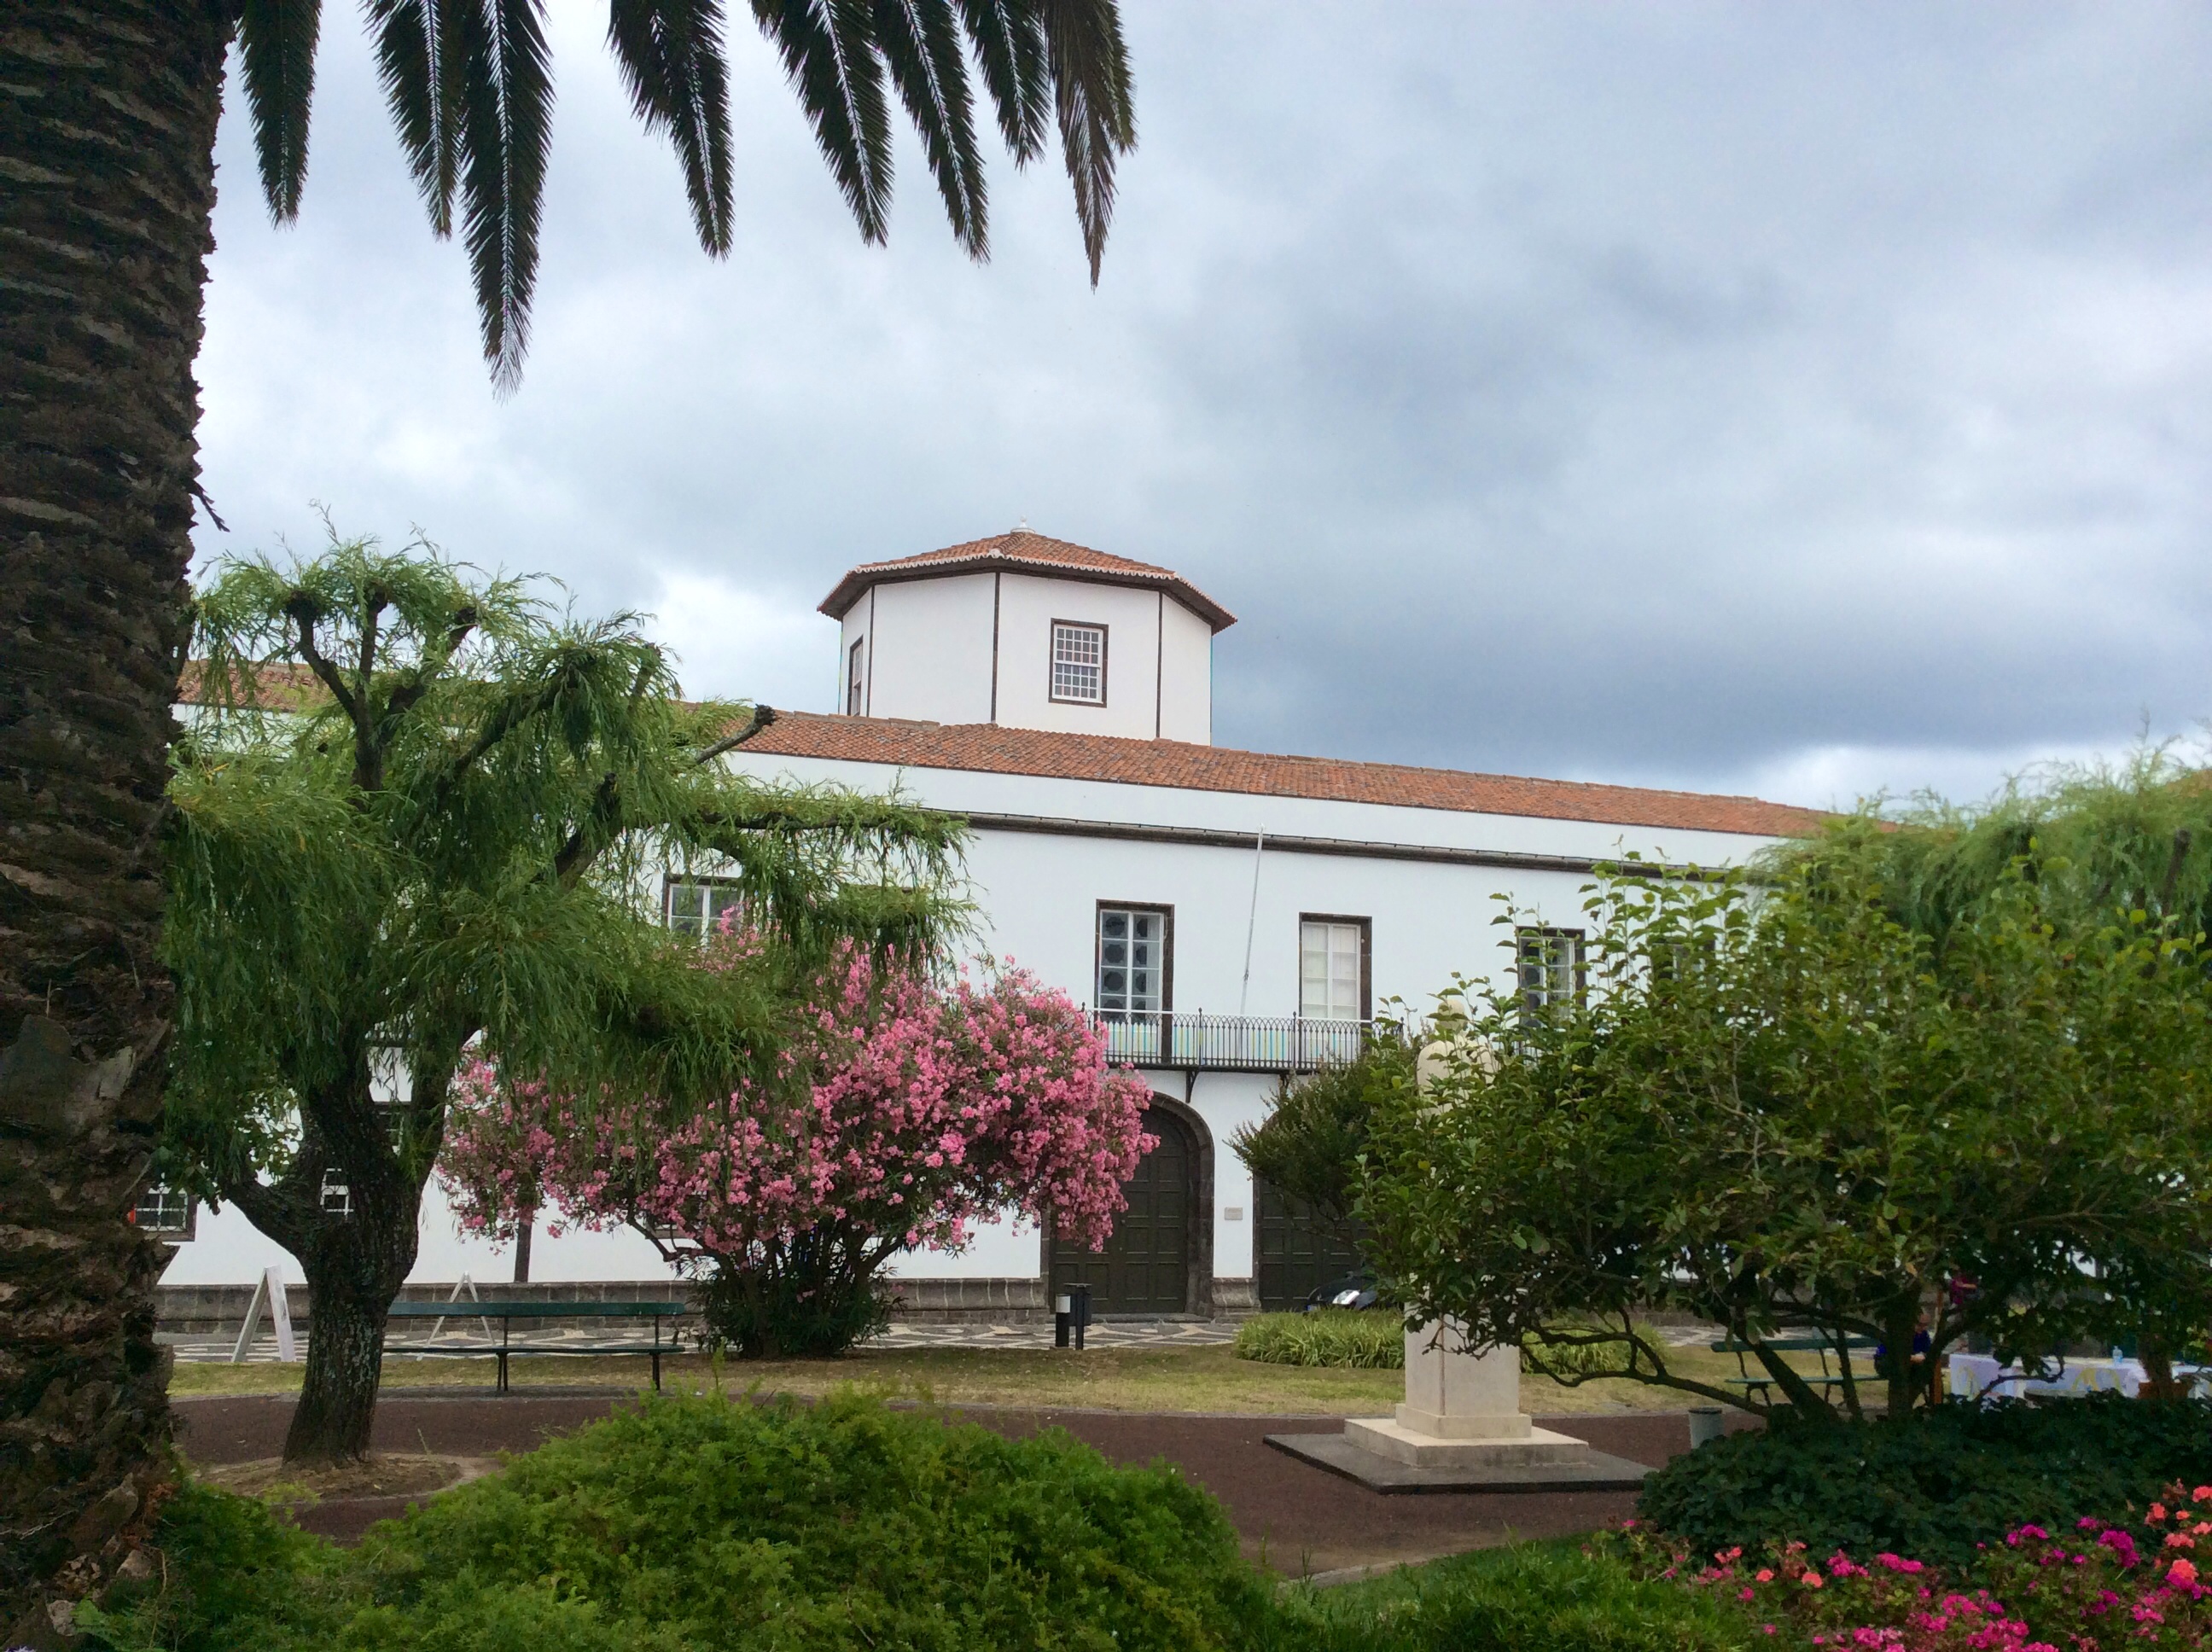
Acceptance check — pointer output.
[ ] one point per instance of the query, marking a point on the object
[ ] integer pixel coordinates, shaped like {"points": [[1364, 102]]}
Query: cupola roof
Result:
{"points": [[1024, 552]]}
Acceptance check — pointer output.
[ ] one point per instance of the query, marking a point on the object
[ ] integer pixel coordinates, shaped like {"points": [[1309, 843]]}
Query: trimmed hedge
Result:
{"points": [[1367, 1339], [705, 1523], [1933, 1484]]}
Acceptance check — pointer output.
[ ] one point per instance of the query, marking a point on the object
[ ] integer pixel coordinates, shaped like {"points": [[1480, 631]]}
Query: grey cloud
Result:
{"points": [[1686, 395]]}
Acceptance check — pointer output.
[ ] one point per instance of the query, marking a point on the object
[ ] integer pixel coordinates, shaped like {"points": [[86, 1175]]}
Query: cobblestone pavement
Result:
{"points": [[463, 1334]]}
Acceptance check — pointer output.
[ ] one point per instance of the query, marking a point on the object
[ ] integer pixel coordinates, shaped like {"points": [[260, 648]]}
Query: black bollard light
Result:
{"points": [[1063, 1310]]}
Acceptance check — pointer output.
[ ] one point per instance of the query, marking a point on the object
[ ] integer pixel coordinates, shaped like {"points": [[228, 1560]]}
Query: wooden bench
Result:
{"points": [[1827, 1381], [507, 1312]]}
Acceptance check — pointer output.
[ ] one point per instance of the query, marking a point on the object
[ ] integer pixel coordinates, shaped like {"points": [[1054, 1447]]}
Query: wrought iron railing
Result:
{"points": [[1231, 1043]]}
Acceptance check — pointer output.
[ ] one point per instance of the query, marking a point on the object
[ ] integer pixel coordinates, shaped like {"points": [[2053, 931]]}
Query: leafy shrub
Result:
{"points": [[1364, 1339], [1528, 1598], [1933, 1486], [705, 1523]]}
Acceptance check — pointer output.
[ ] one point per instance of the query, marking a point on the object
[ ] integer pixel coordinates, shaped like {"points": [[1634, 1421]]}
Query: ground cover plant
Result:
{"points": [[1368, 1340], [1939, 1487], [1558, 1596], [2088, 1585]]}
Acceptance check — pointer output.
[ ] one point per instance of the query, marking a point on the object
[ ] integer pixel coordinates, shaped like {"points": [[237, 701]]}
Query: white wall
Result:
{"points": [[1186, 676], [928, 652]]}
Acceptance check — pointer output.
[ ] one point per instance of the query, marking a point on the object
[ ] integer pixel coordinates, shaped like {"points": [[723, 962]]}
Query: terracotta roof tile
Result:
{"points": [[1032, 553], [987, 748]]}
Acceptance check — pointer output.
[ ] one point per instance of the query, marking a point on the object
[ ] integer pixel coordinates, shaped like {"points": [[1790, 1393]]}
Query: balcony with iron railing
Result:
{"points": [[1232, 1043]]}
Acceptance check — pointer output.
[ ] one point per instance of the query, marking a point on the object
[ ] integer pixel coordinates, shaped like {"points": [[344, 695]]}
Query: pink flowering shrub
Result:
{"points": [[2097, 1588], [899, 1112]]}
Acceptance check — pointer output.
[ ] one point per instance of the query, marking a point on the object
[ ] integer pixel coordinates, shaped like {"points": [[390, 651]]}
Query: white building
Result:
{"points": [[1235, 916]]}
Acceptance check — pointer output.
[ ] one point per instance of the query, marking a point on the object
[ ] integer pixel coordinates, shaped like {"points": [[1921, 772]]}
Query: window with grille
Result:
{"points": [[1078, 663], [1550, 967], [695, 906], [1333, 969], [1132, 960], [162, 1209], [338, 1193], [856, 694]]}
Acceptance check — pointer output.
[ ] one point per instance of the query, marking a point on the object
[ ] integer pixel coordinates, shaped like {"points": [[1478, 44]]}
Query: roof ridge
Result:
{"points": [[1067, 755]]}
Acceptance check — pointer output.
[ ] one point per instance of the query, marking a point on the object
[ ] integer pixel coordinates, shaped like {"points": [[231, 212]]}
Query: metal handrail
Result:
{"points": [[1229, 1043]]}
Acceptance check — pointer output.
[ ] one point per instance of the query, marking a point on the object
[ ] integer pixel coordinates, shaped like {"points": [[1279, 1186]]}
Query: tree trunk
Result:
{"points": [[345, 1367], [107, 119]]}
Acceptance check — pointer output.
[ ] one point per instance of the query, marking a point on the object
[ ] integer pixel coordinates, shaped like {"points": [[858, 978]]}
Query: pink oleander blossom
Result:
{"points": [[901, 1108]]}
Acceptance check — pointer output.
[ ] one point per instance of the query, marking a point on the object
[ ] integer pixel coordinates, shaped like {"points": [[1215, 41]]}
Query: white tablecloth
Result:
{"points": [[1974, 1374]]}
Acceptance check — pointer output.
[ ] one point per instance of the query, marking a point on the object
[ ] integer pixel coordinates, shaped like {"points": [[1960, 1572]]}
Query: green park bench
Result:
{"points": [[507, 1312], [1827, 1381]]}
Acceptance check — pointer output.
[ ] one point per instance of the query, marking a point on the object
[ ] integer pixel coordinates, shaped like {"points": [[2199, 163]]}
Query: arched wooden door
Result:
{"points": [[1298, 1253], [1145, 1267]]}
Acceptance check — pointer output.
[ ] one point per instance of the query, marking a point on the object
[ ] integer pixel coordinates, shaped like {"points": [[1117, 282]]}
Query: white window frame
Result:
{"points": [[160, 1198], [1069, 643], [1126, 1001], [856, 677], [1548, 968], [704, 900], [1331, 929]]}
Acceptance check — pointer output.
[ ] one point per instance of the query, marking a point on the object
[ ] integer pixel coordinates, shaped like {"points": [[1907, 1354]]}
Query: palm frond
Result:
{"points": [[921, 45], [831, 62], [1090, 69], [1008, 37], [670, 54], [507, 95], [419, 59], [277, 48]]}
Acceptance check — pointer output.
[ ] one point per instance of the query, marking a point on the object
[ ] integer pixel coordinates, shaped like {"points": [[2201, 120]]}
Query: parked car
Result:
{"points": [[1352, 1290]]}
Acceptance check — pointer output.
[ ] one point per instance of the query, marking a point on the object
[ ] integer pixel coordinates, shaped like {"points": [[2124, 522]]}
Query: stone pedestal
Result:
{"points": [[1461, 1410], [1461, 1428]]}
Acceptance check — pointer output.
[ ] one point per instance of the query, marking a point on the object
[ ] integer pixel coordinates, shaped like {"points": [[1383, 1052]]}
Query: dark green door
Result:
{"points": [[1298, 1252], [1145, 1267]]}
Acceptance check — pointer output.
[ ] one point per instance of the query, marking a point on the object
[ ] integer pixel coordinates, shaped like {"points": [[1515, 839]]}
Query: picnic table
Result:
{"points": [[1827, 1381], [507, 1312]]}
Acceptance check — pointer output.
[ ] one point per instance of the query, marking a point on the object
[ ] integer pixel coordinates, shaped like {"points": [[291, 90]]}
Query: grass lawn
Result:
{"points": [[1206, 1379]]}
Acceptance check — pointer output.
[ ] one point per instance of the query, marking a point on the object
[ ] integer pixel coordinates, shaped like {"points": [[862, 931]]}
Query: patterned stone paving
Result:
{"points": [[464, 1333]]}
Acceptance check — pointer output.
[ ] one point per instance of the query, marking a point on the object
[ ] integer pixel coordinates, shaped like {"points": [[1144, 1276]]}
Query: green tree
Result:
{"points": [[1311, 1144], [421, 824], [1786, 1113], [107, 125]]}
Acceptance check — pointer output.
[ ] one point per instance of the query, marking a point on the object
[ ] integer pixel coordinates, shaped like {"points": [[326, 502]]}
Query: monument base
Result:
{"points": [[1482, 1469], [1421, 1449]]}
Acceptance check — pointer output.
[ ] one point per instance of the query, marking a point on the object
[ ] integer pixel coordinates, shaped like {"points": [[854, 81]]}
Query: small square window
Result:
{"points": [[1078, 663], [695, 906], [163, 1211]]}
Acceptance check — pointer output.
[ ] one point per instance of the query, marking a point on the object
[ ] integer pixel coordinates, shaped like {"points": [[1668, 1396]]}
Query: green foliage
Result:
{"points": [[811, 1298], [1933, 1485], [424, 814], [230, 1576], [711, 1523], [470, 87], [1536, 1597], [1310, 1143], [1366, 1339], [1785, 1112]]}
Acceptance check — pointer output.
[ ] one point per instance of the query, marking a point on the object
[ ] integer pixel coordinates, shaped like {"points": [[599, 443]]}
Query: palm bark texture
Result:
{"points": [[107, 121]]}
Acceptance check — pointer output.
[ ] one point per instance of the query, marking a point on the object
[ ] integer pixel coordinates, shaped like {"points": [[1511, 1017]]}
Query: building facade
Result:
{"points": [[1232, 918]]}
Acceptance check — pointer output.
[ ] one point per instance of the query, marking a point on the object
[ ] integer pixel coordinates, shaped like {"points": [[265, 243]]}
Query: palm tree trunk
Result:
{"points": [[107, 120]]}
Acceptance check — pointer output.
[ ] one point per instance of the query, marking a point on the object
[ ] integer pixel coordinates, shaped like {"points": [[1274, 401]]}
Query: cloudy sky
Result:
{"points": [[1807, 400]]}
